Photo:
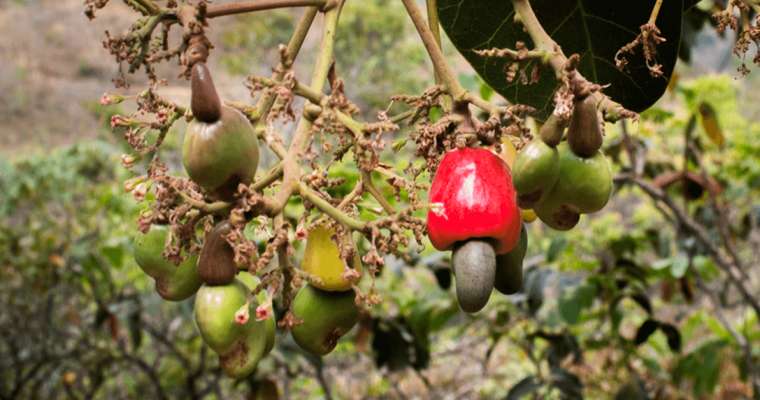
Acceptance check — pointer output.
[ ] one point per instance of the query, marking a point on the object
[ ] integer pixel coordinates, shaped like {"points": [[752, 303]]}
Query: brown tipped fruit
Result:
{"points": [[327, 316], [216, 264], [474, 265], [204, 102], [244, 357], [509, 266], [219, 156], [535, 173], [552, 130], [557, 214], [585, 133], [173, 283], [584, 186], [584, 182]]}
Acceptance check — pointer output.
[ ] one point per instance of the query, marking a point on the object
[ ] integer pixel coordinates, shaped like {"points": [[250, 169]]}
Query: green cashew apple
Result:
{"points": [[218, 154], [245, 355], [173, 283], [509, 267], [215, 308], [322, 259], [474, 265], [327, 316], [557, 214], [535, 172], [584, 186], [252, 281]]}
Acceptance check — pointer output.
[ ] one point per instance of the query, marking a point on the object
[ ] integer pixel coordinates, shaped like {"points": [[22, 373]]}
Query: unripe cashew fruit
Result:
{"points": [[509, 267], [173, 283], [584, 186], [535, 173], [218, 154], [243, 359], [327, 316], [252, 281], [322, 258], [215, 308]]}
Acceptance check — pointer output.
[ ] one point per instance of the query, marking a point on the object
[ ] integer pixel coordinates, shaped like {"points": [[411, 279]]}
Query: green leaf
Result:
{"points": [[435, 114], [557, 246], [114, 254], [662, 264], [523, 388], [593, 29], [570, 306], [679, 266], [486, 92]]}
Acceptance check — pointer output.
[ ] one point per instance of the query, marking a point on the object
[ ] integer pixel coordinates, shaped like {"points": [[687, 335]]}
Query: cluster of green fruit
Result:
{"points": [[221, 291], [560, 180], [219, 153]]}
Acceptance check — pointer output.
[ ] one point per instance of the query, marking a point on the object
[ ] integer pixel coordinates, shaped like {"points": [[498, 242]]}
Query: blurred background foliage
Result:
{"points": [[622, 306]]}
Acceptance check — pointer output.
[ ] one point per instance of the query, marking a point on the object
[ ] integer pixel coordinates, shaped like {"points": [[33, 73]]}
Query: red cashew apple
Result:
{"points": [[478, 200], [476, 217]]}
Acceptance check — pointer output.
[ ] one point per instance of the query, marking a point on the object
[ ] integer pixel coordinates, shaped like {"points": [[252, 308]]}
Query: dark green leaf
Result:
{"points": [[643, 301], [534, 289], [674, 337], [443, 276], [557, 246], [594, 29], [114, 254], [134, 329], [645, 330], [628, 392], [523, 388], [568, 383]]}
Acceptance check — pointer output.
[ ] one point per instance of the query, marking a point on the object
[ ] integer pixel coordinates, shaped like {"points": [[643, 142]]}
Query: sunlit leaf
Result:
{"points": [[710, 124]]}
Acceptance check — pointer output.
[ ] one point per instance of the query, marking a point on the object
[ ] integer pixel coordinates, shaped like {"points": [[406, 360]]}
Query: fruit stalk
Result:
{"points": [[292, 169], [241, 8]]}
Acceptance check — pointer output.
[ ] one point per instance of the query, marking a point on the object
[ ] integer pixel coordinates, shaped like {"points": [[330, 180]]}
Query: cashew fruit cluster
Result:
{"points": [[221, 152], [476, 217], [221, 292], [560, 180]]}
